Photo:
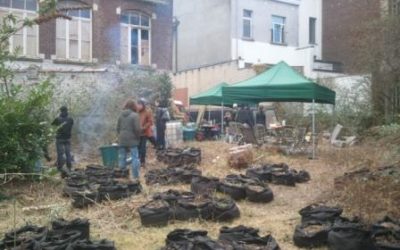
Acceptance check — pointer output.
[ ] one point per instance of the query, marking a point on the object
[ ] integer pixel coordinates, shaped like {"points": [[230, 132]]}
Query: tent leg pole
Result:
{"points": [[313, 129], [209, 114], [222, 120]]}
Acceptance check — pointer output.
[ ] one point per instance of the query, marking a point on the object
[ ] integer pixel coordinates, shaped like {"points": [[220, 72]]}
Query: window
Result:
{"points": [[278, 30], [247, 24], [26, 41], [312, 23], [394, 7], [135, 38], [74, 37]]}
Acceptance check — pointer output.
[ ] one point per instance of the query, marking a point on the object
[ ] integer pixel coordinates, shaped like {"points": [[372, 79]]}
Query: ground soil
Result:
{"points": [[119, 221]]}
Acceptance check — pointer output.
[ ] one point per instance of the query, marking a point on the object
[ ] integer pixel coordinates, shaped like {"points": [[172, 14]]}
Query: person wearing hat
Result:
{"points": [[63, 139], [146, 123]]}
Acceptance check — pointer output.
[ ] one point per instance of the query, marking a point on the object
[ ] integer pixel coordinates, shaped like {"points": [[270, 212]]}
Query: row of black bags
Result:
{"points": [[172, 175], [97, 183], [178, 205], [279, 174], [323, 225], [235, 238], [68, 235], [175, 157]]}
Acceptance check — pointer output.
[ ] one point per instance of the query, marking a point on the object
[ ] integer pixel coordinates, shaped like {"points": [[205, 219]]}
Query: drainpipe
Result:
{"points": [[175, 24]]}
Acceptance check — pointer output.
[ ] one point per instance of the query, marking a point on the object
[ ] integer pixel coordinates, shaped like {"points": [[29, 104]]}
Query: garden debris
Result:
{"points": [[70, 235], [175, 157], [179, 205], [365, 174], [172, 175], [242, 237], [97, 183], [241, 156], [279, 174]]}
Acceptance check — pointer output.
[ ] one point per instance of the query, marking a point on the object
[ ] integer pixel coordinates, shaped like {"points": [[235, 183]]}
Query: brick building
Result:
{"points": [[342, 19], [135, 32]]}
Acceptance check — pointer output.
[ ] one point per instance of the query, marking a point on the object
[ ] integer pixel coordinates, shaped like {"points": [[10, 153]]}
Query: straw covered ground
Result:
{"points": [[119, 221]]}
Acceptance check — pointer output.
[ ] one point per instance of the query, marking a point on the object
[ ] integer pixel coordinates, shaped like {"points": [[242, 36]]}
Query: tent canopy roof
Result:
{"points": [[281, 83], [211, 96]]}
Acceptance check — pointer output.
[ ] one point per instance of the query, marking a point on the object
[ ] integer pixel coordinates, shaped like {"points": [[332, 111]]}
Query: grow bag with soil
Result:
{"points": [[259, 193], [120, 173], [80, 225], [204, 185], [235, 188], [57, 240], [114, 192], [386, 234], [221, 210], [301, 177], [242, 237], [316, 212], [311, 234], [155, 213], [84, 199], [184, 239], [28, 235], [92, 245], [348, 235], [172, 196], [184, 210]]}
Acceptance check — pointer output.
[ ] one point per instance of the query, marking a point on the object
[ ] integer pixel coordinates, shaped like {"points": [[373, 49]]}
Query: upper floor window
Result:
{"points": [[26, 41], [394, 7], [247, 24], [312, 23], [74, 37], [135, 38], [278, 30]]}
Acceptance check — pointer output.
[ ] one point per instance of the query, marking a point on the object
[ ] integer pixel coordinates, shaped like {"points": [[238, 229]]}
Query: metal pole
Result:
{"points": [[313, 129], [209, 113], [222, 119]]}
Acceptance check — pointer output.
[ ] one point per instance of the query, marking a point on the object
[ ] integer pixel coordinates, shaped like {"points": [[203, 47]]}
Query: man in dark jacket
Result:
{"points": [[63, 138], [245, 116], [129, 131]]}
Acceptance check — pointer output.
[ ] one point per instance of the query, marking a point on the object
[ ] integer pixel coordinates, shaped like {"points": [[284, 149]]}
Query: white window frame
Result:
{"points": [[250, 19], [282, 29], [67, 38], [139, 28], [24, 13]]}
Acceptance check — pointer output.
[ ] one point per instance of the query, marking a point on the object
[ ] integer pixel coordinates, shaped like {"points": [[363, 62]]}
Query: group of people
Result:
{"points": [[134, 128], [245, 115]]}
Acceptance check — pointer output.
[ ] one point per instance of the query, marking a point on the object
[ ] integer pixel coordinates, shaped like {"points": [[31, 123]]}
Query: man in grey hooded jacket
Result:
{"points": [[129, 132]]}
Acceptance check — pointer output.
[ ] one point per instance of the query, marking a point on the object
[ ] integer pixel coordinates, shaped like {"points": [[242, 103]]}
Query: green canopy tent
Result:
{"points": [[281, 83], [212, 96]]}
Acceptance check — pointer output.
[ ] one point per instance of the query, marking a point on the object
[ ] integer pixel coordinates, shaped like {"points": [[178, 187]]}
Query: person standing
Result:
{"points": [[129, 131], [245, 116], [162, 117], [146, 122], [260, 116], [63, 139]]}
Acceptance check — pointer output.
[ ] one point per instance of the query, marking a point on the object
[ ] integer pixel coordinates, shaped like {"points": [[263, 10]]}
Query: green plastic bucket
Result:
{"points": [[109, 154]]}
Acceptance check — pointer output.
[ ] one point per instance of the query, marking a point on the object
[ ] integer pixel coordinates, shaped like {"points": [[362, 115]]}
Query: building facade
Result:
{"points": [[131, 32], [213, 34]]}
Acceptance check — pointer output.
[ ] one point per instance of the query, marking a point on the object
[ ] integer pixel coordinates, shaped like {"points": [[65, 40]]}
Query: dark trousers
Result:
{"points": [[63, 148], [152, 140], [142, 149], [161, 137]]}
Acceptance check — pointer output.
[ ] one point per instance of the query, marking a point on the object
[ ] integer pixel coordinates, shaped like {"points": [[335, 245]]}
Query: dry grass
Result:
{"points": [[120, 221]]}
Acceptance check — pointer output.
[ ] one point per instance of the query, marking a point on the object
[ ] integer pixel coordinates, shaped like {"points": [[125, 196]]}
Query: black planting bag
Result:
{"points": [[121, 173], [33, 234], [113, 192], [283, 178], [134, 187], [59, 240], [184, 239], [172, 196], [184, 210], [223, 210], [311, 234], [155, 213], [81, 225], [386, 234], [204, 185], [259, 193], [316, 212], [301, 176], [233, 187], [347, 235], [84, 199], [92, 245]]}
